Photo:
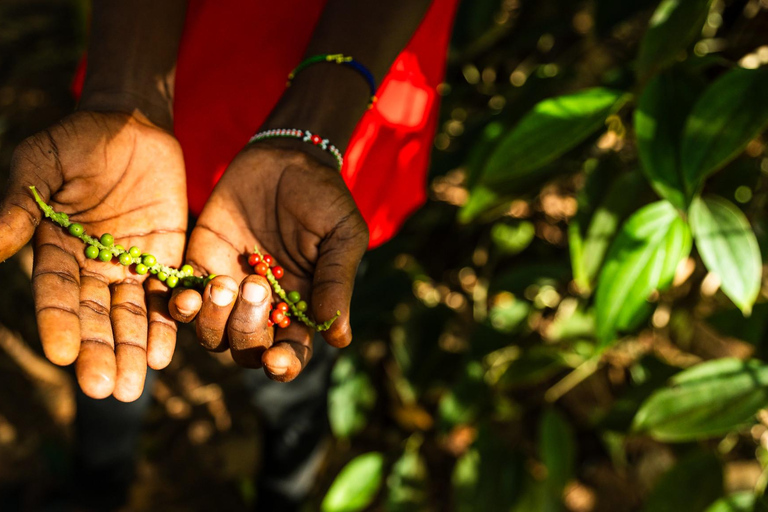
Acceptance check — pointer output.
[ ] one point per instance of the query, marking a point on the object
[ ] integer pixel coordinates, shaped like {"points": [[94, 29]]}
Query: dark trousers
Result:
{"points": [[295, 422]]}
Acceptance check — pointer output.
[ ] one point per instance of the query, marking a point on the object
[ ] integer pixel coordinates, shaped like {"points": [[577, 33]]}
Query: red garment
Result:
{"points": [[233, 61]]}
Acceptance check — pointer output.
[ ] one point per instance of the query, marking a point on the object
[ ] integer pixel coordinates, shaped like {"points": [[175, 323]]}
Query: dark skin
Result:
{"points": [[115, 167]]}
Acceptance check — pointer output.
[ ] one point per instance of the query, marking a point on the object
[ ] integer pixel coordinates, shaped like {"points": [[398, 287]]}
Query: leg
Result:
{"points": [[295, 416]]}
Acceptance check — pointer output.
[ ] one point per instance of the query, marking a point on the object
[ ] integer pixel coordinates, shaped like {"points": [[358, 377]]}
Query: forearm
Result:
{"points": [[132, 57], [330, 99]]}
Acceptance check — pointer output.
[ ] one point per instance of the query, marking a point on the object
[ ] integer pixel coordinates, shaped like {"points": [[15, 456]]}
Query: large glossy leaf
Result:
{"points": [[729, 248], [557, 447], [673, 26], [553, 127], [350, 398], [690, 486], [643, 258], [707, 400], [659, 120], [730, 113], [356, 485]]}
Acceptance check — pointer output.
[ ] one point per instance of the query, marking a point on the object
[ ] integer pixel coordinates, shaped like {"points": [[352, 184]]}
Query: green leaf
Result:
{"points": [[488, 477], [744, 501], [356, 485], [690, 486], [481, 199], [643, 258], [707, 400], [350, 398], [605, 221], [730, 113], [407, 482], [659, 120], [557, 447], [512, 239], [553, 127], [729, 248], [674, 25]]}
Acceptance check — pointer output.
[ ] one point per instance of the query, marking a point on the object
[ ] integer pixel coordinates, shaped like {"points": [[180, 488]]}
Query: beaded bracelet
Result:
{"points": [[304, 135], [338, 58]]}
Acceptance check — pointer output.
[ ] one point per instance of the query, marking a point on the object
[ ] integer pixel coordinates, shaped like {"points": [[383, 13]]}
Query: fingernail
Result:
{"points": [[277, 371], [222, 296], [254, 293]]}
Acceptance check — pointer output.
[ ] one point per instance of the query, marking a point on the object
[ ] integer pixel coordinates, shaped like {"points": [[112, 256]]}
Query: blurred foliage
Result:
{"points": [[576, 320]]}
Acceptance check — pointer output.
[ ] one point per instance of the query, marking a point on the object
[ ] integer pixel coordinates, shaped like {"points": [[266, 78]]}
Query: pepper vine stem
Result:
{"points": [[146, 263]]}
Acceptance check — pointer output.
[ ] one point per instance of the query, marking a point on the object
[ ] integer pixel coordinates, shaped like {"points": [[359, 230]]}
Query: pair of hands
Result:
{"points": [[118, 173]]}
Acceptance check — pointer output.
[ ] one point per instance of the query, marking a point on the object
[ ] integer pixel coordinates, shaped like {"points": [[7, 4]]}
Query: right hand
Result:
{"points": [[113, 173]]}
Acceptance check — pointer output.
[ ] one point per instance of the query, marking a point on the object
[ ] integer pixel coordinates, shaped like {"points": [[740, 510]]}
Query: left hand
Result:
{"points": [[298, 210]]}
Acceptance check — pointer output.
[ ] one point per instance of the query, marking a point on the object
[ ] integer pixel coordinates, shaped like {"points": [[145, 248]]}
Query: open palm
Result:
{"points": [[113, 173]]}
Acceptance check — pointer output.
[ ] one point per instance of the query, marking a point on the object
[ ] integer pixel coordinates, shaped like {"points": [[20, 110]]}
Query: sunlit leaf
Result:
{"points": [[356, 485], [690, 486], [744, 501], [707, 400], [350, 398], [730, 113], [553, 127], [512, 238], [672, 28], [643, 258], [659, 120], [729, 248]]}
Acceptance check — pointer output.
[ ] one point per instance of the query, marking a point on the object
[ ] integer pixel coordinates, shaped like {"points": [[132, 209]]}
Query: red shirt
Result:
{"points": [[233, 62]]}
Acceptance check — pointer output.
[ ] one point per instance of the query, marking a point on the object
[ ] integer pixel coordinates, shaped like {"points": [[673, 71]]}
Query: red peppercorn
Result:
{"points": [[269, 260], [277, 316], [253, 259], [282, 306], [285, 322], [277, 271], [261, 268], [316, 139], [270, 323]]}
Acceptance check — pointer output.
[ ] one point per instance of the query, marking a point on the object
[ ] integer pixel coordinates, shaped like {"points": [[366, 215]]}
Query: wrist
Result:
{"points": [[157, 110]]}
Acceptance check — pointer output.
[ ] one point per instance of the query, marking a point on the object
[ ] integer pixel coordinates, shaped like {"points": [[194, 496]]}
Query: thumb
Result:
{"points": [[339, 256], [34, 163]]}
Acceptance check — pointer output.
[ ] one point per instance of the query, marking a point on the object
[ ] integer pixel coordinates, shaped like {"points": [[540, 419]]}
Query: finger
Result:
{"points": [[161, 338], [247, 328], [56, 291], [218, 301], [185, 304], [129, 325], [33, 163], [96, 365], [334, 279], [290, 354]]}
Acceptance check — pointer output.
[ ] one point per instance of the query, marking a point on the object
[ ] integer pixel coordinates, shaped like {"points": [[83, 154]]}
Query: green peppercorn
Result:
{"points": [[162, 276], [125, 259], [107, 240], [293, 297], [105, 255], [134, 251], [301, 306], [187, 270], [153, 271], [91, 252], [172, 281], [149, 260], [120, 248], [76, 229], [141, 269]]}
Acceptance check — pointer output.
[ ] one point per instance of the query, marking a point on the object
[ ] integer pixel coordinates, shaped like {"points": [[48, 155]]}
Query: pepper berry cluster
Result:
{"points": [[291, 304]]}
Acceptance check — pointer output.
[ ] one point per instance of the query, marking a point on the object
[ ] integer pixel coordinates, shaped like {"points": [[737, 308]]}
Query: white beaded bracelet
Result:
{"points": [[306, 136]]}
